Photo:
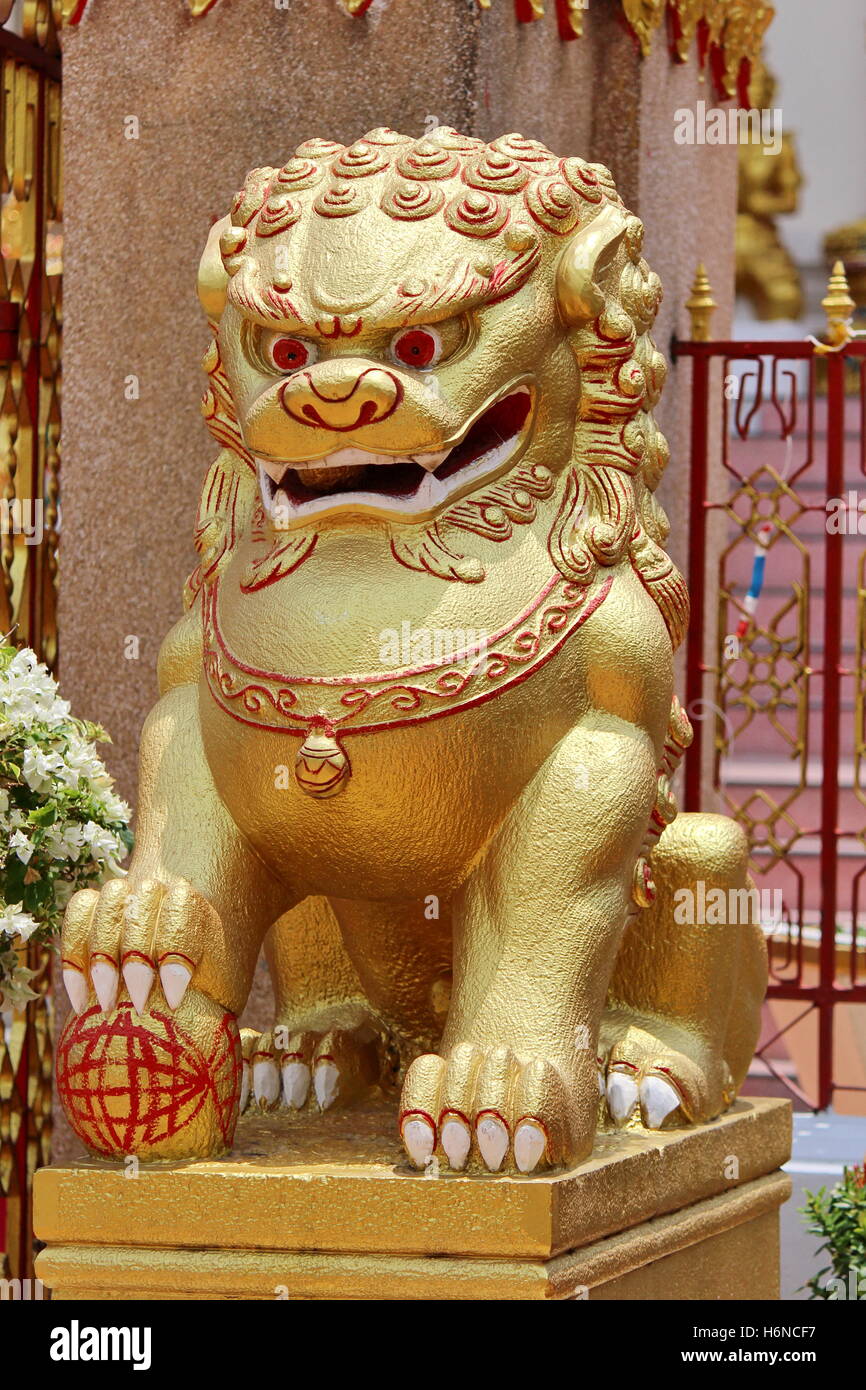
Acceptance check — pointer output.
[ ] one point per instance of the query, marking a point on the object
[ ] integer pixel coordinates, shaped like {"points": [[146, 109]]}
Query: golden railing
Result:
{"points": [[31, 215]]}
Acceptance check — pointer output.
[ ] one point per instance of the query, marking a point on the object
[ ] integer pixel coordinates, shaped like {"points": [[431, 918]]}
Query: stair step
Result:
{"points": [[776, 773]]}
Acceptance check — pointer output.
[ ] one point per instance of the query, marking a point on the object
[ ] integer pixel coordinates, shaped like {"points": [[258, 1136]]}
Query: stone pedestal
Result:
{"points": [[327, 1209]]}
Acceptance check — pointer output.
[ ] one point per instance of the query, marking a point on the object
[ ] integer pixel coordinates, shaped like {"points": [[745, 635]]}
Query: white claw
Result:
{"points": [[529, 1145], [326, 1084], [296, 1084], [245, 1087], [138, 978], [621, 1095], [492, 1141], [456, 1141], [105, 982], [76, 988], [266, 1082], [419, 1140], [657, 1099], [174, 978]]}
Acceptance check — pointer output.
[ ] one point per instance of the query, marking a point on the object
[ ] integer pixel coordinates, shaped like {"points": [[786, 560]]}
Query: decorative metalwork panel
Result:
{"points": [[763, 683], [31, 214]]}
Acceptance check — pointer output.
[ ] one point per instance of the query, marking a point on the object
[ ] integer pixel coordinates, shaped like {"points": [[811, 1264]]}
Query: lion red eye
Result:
{"points": [[288, 354], [416, 347]]}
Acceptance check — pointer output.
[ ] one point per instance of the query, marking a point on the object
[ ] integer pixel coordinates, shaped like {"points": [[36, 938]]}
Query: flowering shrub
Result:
{"points": [[61, 824]]}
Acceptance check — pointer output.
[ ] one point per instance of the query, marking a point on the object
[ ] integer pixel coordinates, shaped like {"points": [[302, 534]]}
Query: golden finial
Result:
{"points": [[701, 306], [838, 306]]}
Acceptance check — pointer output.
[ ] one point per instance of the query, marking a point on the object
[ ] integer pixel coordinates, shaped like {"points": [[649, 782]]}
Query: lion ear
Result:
{"points": [[583, 263], [212, 277]]}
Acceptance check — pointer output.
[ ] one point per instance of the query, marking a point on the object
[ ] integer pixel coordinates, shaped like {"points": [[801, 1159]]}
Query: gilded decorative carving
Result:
{"points": [[686, 15], [644, 17], [744, 26], [417, 725]]}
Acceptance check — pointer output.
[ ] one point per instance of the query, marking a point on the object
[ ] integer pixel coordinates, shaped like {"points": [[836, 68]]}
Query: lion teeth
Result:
{"points": [[353, 463], [340, 460], [431, 461]]}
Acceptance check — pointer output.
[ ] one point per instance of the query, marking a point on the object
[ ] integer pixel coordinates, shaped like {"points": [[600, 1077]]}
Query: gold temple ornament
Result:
{"points": [[768, 183], [839, 308], [465, 890], [701, 306], [321, 767]]}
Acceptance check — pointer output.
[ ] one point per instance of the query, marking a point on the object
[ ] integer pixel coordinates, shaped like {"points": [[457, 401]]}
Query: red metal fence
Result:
{"points": [[776, 686]]}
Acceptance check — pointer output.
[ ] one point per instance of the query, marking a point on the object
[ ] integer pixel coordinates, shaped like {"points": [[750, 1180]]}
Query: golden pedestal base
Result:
{"points": [[317, 1208]]}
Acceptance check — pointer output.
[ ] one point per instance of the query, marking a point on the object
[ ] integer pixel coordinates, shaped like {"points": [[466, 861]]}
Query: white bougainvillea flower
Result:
{"points": [[28, 694], [22, 846], [40, 770], [15, 922]]}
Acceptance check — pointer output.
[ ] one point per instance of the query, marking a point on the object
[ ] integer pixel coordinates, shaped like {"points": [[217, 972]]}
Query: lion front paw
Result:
{"points": [[489, 1103], [130, 934], [146, 1065]]}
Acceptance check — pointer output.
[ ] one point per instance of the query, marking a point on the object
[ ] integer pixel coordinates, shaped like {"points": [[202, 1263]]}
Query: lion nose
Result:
{"points": [[335, 396]]}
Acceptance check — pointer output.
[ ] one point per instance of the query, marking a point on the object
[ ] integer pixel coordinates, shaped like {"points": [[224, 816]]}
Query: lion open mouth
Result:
{"points": [[416, 485]]}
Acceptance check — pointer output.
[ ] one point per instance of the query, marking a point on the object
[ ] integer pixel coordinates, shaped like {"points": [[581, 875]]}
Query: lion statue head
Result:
{"points": [[437, 341]]}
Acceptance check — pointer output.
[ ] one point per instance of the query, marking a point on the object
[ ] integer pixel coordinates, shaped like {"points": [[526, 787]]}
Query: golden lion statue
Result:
{"points": [[417, 728]]}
